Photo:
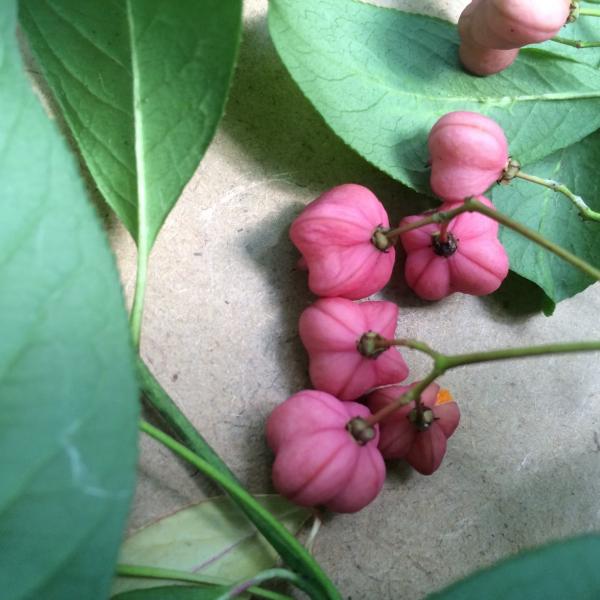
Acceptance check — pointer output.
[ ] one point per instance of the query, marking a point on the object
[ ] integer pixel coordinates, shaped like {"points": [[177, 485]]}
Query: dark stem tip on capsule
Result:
{"points": [[421, 419], [444, 248], [380, 240], [360, 430], [369, 345], [510, 171]]}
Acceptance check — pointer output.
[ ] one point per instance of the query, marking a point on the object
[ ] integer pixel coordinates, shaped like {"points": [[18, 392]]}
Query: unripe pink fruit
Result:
{"points": [[334, 234], [331, 329], [399, 436], [509, 24], [318, 461], [485, 61], [472, 261], [468, 154]]}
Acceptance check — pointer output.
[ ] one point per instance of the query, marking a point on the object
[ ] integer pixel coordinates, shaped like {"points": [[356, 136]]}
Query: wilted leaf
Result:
{"points": [[211, 538]]}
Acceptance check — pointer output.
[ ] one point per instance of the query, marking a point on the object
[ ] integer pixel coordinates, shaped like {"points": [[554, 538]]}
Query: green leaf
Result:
{"points": [[174, 593], [561, 571], [555, 218], [212, 538], [142, 85], [68, 395], [381, 78]]}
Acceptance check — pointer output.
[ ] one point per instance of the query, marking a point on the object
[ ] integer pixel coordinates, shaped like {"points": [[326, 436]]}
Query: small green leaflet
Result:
{"points": [[381, 77], [68, 394], [561, 571], [212, 538], [142, 85], [555, 218]]}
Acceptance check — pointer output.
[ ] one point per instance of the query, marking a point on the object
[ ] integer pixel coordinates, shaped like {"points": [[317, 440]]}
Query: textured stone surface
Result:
{"points": [[220, 333]]}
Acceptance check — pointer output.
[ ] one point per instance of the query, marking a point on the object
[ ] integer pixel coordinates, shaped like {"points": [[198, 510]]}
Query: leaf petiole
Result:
{"points": [[584, 210], [445, 362], [575, 43], [147, 572]]}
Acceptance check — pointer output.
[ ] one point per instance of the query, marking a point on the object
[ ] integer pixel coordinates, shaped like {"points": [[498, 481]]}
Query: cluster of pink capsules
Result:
{"points": [[330, 449], [493, 31]]}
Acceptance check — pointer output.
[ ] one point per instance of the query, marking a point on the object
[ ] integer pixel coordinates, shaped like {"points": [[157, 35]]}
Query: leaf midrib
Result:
{"points": [[140, 174]]}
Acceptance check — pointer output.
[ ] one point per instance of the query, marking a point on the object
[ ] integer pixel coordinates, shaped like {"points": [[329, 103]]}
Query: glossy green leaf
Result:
{"points": [[68, 395], [212, 538], [381, 78], [142, 85], [178, 592], [561, 571], [555, 218]]}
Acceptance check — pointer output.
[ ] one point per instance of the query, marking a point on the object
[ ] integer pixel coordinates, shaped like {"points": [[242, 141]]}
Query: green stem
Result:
{"points": [[472, 205], [575, 43], [314, 582], [413, 395], [177, 422], [589, 12], [435, 217], [137, 308], [267, 575], [586, 212], [459, 360], [144, 572], [445, 362], [406, 343], [534, 236]]}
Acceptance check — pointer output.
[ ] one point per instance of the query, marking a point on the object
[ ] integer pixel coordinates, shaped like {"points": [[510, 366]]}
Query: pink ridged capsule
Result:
{"points": [[509, 24], [468, 154], [477, 58], [471, 260], [318, 461], [331, 330], [335, 234], [400, 437]]}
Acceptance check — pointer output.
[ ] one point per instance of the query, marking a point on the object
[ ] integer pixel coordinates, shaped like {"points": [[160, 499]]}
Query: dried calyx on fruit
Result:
{"points": [[468, 154], [340, 236], [418, 436], [463, 256], [492, 31], [331, 331], [318, 459]]}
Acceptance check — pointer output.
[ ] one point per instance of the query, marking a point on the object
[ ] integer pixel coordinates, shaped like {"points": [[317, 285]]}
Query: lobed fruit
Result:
{"points": [[474, 263], [510, 24], [318, 461], [331, 329], [334, 234], [401, 438], [468, 154]]}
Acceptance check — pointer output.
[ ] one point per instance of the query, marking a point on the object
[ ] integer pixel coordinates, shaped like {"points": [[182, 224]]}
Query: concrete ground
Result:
{"points": [[220, 333]]}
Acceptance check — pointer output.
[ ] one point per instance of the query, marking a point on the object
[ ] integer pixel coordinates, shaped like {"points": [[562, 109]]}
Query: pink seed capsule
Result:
{"points": [[470, 260], [482, 61], [337, 236], [468, 154], [318, 461], [509, 24], [331, 331], [421, 442]]}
